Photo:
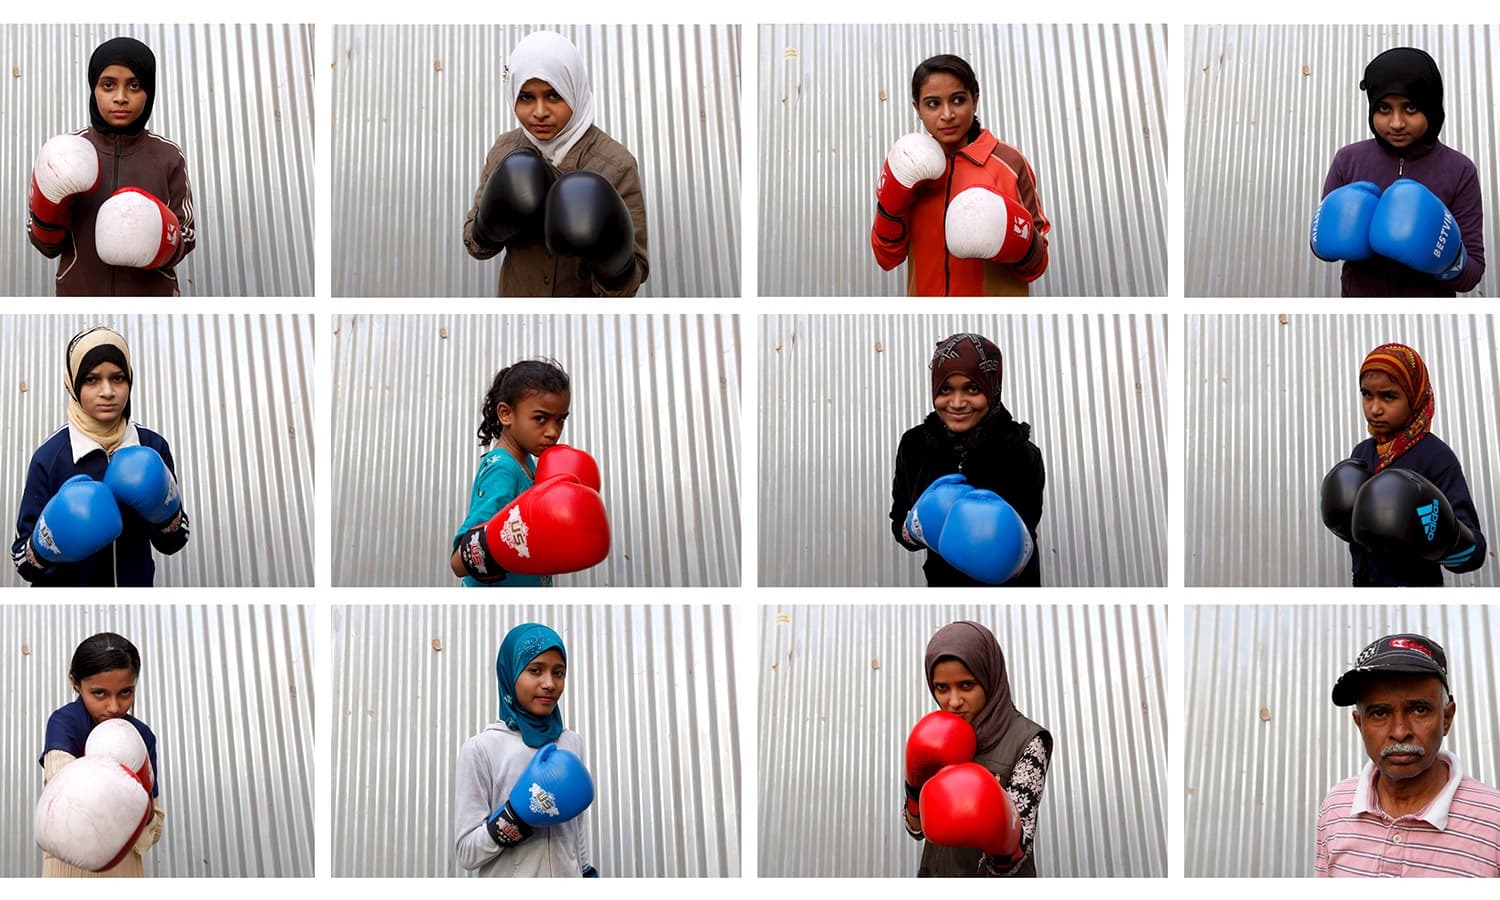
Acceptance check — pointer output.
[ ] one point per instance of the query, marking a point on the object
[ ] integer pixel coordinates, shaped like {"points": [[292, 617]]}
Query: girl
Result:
{"points": [[969, 431], [966, 676], [961, 204], [523, 414], [139, 491], [103, 674], [132, 246], [588, 237], [531, 668]]}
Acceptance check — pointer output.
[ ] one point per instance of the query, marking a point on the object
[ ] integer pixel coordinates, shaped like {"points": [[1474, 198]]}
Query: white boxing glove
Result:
{"points": [[983, 224], [91, 813], [135, 229], [119, 740], [66, 166], [913, 159]]}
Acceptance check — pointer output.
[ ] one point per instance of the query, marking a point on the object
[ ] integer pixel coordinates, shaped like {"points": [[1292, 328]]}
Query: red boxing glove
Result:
{"points": [[560, 459], [939, 739], [982, 224], [135, 229], [555, 526], [964, 806], [67, 166]]}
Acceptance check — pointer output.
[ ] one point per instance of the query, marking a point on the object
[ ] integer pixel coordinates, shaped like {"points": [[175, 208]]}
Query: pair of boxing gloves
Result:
{"points": [[975, 531], [132, 228], [93, 811], [557, 525], [958, 801], [554, 788], [578, 214], [1406, 222], [981, 222], [1395, 511], [83, 517]]}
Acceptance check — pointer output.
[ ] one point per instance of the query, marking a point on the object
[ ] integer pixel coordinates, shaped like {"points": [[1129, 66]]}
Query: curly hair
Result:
{"points": [[531, 376]]}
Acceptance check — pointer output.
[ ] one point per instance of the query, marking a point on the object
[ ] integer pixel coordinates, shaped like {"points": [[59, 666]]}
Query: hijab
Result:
{"points": [[521, 645], [1403, 366], [973, 356], [86, 350], [1410, 73], [138, 58], [553, 58], [975, 646]]}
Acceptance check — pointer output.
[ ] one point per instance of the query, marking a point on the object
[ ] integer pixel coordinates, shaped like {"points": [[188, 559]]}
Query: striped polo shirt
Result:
{"points": [[1457, 835]]}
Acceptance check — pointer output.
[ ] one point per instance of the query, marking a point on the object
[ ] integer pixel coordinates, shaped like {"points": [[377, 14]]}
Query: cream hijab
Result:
{"points": [[87, 350], [553, 58]]}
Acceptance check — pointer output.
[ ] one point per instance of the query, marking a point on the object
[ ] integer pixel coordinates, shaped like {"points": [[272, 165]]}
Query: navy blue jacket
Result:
{"points": [[68, 730], [125, 563], [1435, 461]]}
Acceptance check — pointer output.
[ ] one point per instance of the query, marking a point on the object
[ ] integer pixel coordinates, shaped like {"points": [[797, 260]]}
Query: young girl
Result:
{"points": [[966, 676], [102, 491], [971, 432], [523, 414], [958, 204], [531, 668], [113, 200], [103, 674], [1400, 243], [565, 233]]}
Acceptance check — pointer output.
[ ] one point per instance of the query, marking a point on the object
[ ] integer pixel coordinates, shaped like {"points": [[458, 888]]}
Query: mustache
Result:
{"points": [[1403, 749]]}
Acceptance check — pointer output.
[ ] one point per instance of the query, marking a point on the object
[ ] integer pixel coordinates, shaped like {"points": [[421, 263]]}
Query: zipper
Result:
{"points": [[948, 257], [114, 187], [114, 562]]}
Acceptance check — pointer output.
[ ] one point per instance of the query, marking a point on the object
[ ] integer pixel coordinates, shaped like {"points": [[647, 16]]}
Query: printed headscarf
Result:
{"points": [[975, 646], [521, 645], [973, 356], [1410, 73], [1403, 366], [553, 58], [86, 350], [138, 58]]}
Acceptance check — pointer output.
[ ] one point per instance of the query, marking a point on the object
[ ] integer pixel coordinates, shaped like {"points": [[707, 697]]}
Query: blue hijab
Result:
{"points": [[523, 644]]}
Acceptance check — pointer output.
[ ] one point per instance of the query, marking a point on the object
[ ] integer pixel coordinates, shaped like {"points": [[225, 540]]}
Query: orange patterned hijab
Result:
{"points": [[1403, 366]]}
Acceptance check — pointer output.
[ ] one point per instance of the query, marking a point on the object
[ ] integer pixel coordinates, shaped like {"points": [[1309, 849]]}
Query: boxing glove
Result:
{"points": [[560, 459], [120, 741], [1401, 513], [982, 224], [81, 519], [91, 813], [140, 480], [554, 526], [984, 538], [1413, 227], [1341, 226], [913, 159], [514, 199], [586, 217], [65, 167], [554, 788], [135, 229], [1336, 495], [924, 521], [964, 806], [938, 739]]}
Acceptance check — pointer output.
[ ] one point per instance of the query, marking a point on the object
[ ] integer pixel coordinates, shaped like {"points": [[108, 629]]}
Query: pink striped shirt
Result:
{"points": [[1457, 835]]}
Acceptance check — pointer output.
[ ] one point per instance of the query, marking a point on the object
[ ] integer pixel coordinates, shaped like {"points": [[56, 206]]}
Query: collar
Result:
{"points": [[1414, 153], [83, 445], [124, 144], [981, 149], [1436, 813]]}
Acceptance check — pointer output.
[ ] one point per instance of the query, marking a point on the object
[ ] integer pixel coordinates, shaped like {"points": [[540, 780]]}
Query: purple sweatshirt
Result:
{"points": [[1448, 174]]}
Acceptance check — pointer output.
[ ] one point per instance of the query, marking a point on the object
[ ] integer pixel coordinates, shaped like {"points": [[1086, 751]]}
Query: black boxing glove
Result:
{"points": [[586, 217], [1399, 512], [1336, 495], [514, 199]]}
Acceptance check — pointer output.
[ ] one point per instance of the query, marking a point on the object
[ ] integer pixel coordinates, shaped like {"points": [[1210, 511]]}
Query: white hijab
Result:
{"points": [[553, 58]]}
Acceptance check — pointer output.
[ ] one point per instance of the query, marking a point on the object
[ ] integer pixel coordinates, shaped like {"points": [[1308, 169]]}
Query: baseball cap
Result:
{"points": [[1394, 653]]}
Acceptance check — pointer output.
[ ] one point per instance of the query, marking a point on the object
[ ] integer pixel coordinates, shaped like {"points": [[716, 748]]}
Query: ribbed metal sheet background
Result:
{"points": [[1273, 404], [233, 397], [655, 400], [651, 689], [1268, 106], [840, 686], [236, 98], [417, 107], [837, 392], [1085, 104], [228, 690], [1264, 740]]}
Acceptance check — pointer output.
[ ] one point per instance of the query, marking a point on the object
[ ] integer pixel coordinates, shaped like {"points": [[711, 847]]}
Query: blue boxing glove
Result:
{"points": [[80, 520], [924, 521], [140, 480], [985, 539], [1413, 227], [554, 788], [589, 872], [1341, 226]]}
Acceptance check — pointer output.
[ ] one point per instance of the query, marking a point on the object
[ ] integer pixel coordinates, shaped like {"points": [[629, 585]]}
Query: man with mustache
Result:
{"points": [[1412, 811]]}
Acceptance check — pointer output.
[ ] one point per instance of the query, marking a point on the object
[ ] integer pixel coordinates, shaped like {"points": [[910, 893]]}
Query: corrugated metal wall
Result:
{"points": [[651, 689], [837, 392], [417, 107], [1273, 403], [233, 397], [1268, 106], [236, 98], [228, 690], [1264, 740], [840, 687], [1085, 104], [655, 400]]}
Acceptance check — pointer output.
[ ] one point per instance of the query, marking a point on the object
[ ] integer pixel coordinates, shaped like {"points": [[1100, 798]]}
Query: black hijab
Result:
{"points": [[138, 58], [1410, 73]]}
